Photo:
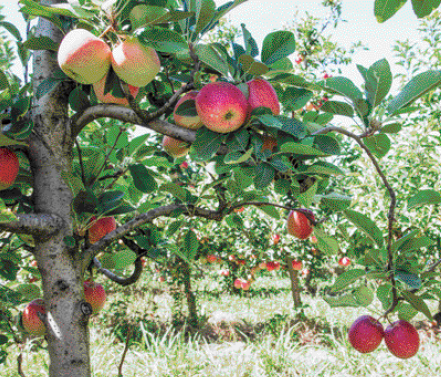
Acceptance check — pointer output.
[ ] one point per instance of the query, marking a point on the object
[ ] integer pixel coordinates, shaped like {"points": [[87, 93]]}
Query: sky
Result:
{"points": [[262, 17]]}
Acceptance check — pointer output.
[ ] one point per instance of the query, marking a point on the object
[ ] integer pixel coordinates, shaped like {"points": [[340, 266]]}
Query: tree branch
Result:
{"points": [[118, 279], [37, 225]]}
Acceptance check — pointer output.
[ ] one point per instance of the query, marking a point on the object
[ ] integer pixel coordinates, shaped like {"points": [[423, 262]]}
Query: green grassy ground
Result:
{"points": [[250, 335]]}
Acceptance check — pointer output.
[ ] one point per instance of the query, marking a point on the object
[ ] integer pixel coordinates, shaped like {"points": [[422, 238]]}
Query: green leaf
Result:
{"points": [[335, 202], [32, 8], [12, 29], [164, 40], [418, 303], [385, 9], [364, 296], [191, 244], [205, 10], [423, 198], [6, 215], [175, 190], [379, 144], [142, 179], [326, 243], [110, 200], [270, 211], [406, 311], [78, 100], [4, 84], [28, 292], [295, 98], [251, 66], [415, 244], [307, 197], [338, 108], [391, 128], [414, 89], [277, 45], [327, 144], [264, 175], [41, 43], [283, 123], [123, 259], [384, 294], [344, 86], [301, 149], [250, 43], [413, 281], [206, 145], [142, 15], [406, 238], [324, 168], [346, 300], [347, 278], [234, 221], [366, 225], [378, 81], [212, 58], [423, 8]]}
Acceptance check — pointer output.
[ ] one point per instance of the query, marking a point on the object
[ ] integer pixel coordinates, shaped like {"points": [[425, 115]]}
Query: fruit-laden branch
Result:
{"points": [[117, 279], [144, 218], [37, 225], [393, 204]]}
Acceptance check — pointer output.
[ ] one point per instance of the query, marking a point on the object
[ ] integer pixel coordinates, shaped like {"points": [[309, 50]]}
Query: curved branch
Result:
{"points": [[142, 219], [393, 202], [118, 279], [37, 225]]}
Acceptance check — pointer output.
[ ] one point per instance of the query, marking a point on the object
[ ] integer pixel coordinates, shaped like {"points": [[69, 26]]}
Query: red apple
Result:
{"points": [[239, 210], [305, 272], [211, 258], [84, 57], [9, 166], [224, 273], [241, 262], [270, 266], [31, 323], [262, 93], [276, 238], [222, 107], [95, 295], [314, 239], [98, 88], [191, 122], [161, 279], [135, 63], [184, 165], [100, 228], [143, 262], [402, 339], [174, 147], [237, 283], [34, 264], [262, 265], [297, 265], [365, 334], [245, 285], [345, 261], [231, 258], [298, 224]]}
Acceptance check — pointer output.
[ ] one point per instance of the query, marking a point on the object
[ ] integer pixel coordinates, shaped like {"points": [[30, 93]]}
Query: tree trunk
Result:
{"points": [[191, 299], [50, 154], [295, 286]]}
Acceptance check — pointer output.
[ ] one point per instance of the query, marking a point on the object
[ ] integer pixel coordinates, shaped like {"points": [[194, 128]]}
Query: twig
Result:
{"points": [[126, 348], [80, 156]]}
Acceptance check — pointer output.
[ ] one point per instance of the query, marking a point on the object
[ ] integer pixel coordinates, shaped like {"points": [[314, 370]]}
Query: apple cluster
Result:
{"points": [[87, 59], [401, 338], [222, 107]]}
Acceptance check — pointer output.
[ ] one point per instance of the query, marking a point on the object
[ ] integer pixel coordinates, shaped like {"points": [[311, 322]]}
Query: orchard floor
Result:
{"points": [[249, 335]]}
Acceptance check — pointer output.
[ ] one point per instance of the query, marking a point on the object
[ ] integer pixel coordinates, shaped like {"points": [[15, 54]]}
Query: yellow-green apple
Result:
{"points": [[297, 265], [174, 147], [298, 224], [95, 295], [31, 322], [100, 228], [135, 63], [9, 166], [366, 334], [222, 107], [98, 88], [261, 93], [84, 57], [345, 261], [270, 266], [191, 122], [402, 339]]}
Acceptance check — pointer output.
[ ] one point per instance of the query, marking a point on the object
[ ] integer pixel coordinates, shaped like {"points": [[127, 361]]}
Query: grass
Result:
{"points": [[250, 335]]}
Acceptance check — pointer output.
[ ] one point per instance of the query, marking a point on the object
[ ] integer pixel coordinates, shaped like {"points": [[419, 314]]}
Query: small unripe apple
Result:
{"points": [[262, 93], [135, 63], [95, 295], [402, 339], [84, 57], [100, 228], [174, 147], [297, 265], [98, 88], [222, 107], [298, 224], [9, 166], [365, 334], [345, 261], [31, 322], [191, 122]]}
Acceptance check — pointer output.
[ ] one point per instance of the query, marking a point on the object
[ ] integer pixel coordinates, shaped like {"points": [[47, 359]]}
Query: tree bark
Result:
{"points": [[191, 299], [295, 286], [50, 153]]}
